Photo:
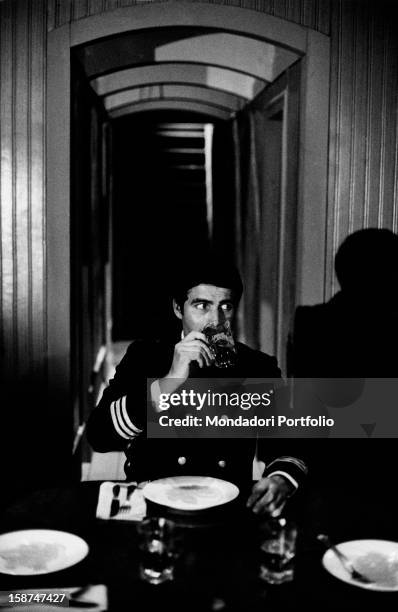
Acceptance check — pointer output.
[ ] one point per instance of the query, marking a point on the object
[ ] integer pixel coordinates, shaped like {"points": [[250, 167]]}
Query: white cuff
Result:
{"points": [[285, 475]]}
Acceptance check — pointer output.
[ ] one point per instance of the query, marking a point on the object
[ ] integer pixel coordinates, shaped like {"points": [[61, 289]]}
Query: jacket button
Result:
{"points": [[222, 463], [182, 460]]}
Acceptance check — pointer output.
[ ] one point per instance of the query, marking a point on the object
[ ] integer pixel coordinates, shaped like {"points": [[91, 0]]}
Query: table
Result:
{"points": [[218, 570]]}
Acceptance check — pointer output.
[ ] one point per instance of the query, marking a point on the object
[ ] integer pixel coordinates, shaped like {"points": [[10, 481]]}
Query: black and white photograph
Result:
{"points": [[198, 305]]}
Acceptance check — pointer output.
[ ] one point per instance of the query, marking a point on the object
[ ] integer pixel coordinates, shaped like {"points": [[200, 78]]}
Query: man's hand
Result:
{"points": [[269, 494], [193, 347]]}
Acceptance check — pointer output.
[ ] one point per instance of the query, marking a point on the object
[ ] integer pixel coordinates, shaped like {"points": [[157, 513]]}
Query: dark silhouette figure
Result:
{"points": [[355, 334], [342, 349]]}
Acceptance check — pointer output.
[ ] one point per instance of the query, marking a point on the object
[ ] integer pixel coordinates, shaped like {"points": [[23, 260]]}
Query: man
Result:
{"points": [[207, 293], [355, 333], [340, 352]]}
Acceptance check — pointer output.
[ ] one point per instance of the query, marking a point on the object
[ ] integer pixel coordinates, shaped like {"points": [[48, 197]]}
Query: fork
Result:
{"points": [[125, 509], [115, 503], [345, 561]]}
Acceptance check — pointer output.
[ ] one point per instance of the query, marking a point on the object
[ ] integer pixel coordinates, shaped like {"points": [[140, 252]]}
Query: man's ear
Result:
{"points": [[177, 310]]}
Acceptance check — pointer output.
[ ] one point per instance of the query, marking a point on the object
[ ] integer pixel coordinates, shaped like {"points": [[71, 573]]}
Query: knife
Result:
{"points": [[76, 603], [115, 506], [130, 490]]}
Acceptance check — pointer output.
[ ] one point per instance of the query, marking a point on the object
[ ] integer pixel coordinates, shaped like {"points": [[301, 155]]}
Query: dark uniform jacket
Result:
{"points": [[119, 423]]}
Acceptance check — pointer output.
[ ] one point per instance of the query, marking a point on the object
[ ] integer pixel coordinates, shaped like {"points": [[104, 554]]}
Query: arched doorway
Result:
{"points": [[248, 27]]}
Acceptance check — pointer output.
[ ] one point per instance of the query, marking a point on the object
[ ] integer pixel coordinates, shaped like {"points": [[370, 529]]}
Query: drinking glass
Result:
{"points": [[160, 545], [277, 550], [221, 343]]}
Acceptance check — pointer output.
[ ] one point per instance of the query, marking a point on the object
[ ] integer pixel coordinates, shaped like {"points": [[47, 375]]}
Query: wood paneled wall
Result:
{"points": [[363, 162], [22, 188], [313, 14]]}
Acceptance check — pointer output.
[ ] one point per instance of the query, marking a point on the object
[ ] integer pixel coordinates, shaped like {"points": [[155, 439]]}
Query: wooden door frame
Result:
{"points": [[314, 128]]}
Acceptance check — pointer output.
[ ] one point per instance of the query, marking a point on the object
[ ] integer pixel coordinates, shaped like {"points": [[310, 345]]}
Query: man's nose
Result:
{"points": [[217, 316]]}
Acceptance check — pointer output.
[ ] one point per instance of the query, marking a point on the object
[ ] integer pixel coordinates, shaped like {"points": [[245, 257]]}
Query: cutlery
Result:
{"points": [[123, 507], [77, 603], [130, 490], [78, 591], [345, 561], [115, 504]]}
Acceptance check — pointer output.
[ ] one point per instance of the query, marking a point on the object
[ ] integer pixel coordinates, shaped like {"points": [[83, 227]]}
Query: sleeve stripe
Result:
{"points": [[120, 421], [129, 426], [122, 425], [116, 424], [286, 475], [293, 460]]}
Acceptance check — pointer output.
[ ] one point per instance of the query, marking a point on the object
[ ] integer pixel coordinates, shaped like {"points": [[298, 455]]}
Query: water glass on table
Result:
{"points": [[160, 546], [277, 550]]}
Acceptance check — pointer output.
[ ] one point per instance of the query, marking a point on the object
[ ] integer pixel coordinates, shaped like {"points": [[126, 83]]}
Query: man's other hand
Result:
{"points": [[193, 347], [269, 495]]}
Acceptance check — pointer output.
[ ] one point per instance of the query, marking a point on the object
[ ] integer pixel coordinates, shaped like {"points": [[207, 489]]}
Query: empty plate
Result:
{"points": [[39, 551], [375, 559], [190, 492]]}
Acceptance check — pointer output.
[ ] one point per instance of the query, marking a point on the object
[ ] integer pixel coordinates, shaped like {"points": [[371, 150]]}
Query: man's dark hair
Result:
{"points": [[208, 270]]}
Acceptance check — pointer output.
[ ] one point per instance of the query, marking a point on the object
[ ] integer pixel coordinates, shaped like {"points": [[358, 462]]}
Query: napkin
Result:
{"points": [[95, 593], [136, 501]]}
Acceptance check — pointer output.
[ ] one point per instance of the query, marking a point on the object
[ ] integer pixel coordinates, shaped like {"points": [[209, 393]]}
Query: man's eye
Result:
{"points": [[227, 307], [200, 306]]}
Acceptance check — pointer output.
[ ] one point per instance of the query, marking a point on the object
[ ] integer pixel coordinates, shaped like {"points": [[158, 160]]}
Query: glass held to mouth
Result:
{"points": [[221, 342]]}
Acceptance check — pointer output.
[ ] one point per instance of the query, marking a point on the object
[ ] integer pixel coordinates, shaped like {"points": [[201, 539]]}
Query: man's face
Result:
{"points": [[205, 304]]}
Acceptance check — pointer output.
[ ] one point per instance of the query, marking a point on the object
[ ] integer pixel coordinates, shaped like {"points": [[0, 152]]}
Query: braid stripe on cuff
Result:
{"points": [[296, 468], [124, 427], [126, 417], [285, 475]]}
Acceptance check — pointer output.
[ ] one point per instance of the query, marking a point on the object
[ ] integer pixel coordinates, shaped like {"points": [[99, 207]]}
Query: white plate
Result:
{"points": [[39, 551], [356, 550], [190, 492]]}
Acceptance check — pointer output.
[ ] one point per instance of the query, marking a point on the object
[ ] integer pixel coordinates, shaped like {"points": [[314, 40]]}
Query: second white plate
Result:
{"points": [[39, 551], [375, 559], [190, 492]]}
